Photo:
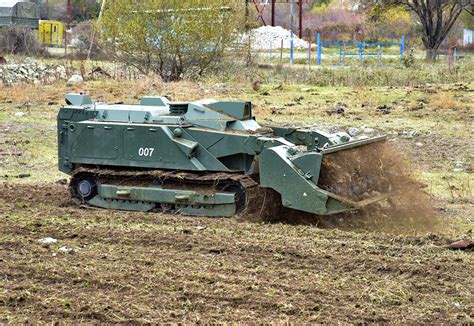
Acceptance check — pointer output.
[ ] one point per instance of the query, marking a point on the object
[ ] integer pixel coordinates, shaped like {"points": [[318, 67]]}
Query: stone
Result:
{"points": [[340, 108], [409, 134], [458, 167], [31, 72], [47, 241], [270, 37], [353, 131], [419, 144], [368, 130], [29, 61], [68, 250], [19, 114], [75, 79]]}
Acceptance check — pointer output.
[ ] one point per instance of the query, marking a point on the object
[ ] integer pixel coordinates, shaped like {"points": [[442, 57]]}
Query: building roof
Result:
{"points": [[19, 8], [9, 3]]}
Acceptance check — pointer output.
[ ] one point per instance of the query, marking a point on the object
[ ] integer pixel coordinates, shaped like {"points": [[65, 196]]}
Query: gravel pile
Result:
{"points": [[266, 37], [31, 72]]}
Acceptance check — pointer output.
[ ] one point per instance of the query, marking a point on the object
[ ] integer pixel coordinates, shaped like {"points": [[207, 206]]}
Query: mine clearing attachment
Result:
{"points": [[204, 158]]}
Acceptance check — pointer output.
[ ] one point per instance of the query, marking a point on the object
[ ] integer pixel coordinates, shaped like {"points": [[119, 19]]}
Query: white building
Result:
{"points": [[467, 39]]}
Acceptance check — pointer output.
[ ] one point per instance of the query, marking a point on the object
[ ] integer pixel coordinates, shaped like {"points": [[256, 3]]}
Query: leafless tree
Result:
{"points": [[437, 17]]}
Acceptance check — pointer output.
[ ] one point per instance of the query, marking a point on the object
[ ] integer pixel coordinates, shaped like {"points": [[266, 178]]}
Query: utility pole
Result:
{"points": [[300, 17], [68, 24], [292, 49], [273, 12]]}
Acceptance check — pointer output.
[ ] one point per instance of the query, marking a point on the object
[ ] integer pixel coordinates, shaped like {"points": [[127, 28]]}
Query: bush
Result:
{"points": [[82, 36], [175, 39], [16, 39], [331, 21]]}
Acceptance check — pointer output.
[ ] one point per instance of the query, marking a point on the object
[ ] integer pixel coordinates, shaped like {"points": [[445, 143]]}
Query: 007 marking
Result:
{"points": [[145, 151]]}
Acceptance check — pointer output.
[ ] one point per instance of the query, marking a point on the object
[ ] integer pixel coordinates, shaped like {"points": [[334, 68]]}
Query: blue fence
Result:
{"points": [[361, 46], [358, 49]]}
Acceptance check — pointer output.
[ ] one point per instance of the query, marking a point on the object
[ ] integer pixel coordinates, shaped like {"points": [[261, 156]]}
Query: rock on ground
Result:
{"points": [[75, 79], [31, 72], [266, 37]]}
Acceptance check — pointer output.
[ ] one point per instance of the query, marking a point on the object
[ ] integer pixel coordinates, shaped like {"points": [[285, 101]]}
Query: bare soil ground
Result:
{"points": [[133, 267], [153, 268]]}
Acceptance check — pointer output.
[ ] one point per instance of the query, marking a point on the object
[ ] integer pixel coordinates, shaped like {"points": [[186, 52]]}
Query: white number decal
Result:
{"points": [[145, 151]]}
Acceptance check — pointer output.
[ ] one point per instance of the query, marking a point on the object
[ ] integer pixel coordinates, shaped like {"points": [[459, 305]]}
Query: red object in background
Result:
{"points": [[460, 245], [260, 9]]}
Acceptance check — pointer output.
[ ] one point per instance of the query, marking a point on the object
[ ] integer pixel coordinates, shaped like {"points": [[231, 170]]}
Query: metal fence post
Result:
{"points": [[309, 50], [402, 47], [360, 52], [292, 49], [340, 53], [319, 48], [380, 54], [281, 51]]}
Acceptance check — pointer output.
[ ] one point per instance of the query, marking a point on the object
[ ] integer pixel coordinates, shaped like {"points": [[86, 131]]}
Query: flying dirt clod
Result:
{"points": [[211, 158]]}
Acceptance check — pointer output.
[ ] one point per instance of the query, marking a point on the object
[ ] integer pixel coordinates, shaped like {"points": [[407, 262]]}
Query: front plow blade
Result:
{"points": [[353, 144], [308, 181]]}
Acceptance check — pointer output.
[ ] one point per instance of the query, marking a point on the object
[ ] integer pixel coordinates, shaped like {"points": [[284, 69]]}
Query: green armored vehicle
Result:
{"points": [[206, 158]]}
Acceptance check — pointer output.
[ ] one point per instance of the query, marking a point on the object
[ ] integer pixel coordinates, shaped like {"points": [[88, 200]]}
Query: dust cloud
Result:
{"points": [[367, 171], [380, 168]]}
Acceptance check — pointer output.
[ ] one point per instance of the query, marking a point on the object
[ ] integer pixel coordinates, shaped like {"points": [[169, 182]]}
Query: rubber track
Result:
{"points": [[260, 202]]}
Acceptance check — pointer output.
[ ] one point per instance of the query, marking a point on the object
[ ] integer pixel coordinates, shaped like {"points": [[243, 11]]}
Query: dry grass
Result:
{"points": [[446, 101]]}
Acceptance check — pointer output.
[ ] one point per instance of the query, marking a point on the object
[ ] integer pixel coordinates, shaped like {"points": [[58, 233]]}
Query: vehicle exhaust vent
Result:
{"points": [[178, 108]]}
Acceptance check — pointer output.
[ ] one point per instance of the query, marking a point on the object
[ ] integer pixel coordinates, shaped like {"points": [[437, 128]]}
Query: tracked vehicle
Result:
{"points": [[207, 158]]}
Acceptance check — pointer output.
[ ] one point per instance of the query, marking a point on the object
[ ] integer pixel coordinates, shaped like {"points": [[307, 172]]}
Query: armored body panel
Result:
{"points": [[198, 158]]}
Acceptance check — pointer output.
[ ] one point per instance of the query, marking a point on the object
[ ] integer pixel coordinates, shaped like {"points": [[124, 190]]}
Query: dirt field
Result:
{"points": [[132, 267], [153, 268]]}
